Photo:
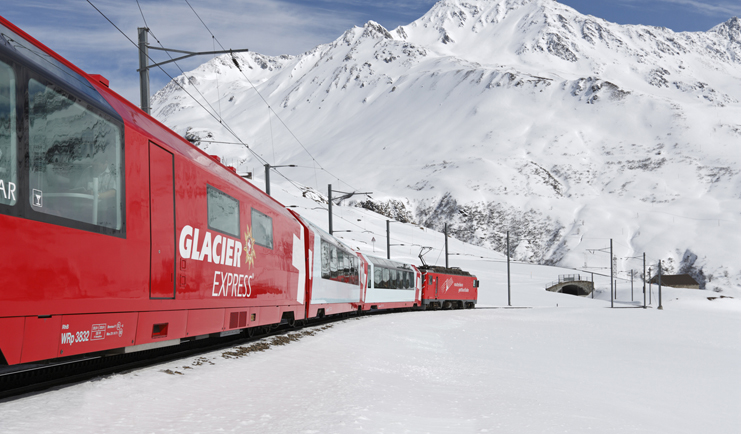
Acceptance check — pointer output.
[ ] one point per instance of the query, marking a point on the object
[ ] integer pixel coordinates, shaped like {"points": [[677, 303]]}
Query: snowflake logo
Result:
{"points": [[249, 247]]}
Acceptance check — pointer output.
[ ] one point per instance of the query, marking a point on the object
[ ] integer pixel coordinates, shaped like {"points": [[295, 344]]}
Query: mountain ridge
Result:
{"points": [[639, 125]]}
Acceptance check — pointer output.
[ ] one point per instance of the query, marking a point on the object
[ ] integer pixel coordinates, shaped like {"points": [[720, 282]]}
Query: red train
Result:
{"points": [[119, 235], [448, 288]]}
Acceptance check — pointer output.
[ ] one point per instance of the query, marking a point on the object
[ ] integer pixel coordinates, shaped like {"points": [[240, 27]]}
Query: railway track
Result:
{"points": [[17, 381]]}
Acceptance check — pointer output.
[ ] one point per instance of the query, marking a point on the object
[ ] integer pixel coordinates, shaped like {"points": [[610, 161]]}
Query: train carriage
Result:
{"points": [[389, 284], [116, 232], [335, 274]]}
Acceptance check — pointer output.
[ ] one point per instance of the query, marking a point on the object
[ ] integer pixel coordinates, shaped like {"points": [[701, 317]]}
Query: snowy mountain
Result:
{"points": [[496, 115]]}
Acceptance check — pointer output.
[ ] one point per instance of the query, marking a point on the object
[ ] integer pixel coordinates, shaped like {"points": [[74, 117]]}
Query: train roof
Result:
{"points": [[387, 263], [443, 270]]}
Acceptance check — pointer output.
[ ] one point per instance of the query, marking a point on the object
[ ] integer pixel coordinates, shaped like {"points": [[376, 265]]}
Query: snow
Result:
{"points": [[492, 129], [552, 363]]}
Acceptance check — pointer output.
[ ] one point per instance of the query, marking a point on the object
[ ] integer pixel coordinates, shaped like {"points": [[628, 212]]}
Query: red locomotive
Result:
{"points": [[448, 288], [119, 235]]}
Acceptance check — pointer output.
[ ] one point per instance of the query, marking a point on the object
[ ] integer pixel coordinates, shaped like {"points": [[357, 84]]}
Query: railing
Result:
{"points": [[563, 278]]}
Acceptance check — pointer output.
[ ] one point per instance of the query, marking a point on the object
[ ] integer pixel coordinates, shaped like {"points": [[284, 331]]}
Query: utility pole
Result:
{"points": [[344, 195], [660, 306], [644, 280], [445, 231], [388, 239], [329, 195], [267, 176], [612, 287], [509, 289], [144, 65], [144, 69], [631, 284]]}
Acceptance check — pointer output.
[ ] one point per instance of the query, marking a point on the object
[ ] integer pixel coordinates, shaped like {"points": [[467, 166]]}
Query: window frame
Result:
{"points": [[208, 213], [7, 208], [272, 228], [24, 71]]}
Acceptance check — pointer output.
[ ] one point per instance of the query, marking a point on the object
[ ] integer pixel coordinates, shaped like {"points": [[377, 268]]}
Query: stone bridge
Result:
{"points": [[572, 284]]}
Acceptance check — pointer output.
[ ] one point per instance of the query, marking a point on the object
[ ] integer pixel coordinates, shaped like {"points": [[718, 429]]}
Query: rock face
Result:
{"points": [[505, 115]]}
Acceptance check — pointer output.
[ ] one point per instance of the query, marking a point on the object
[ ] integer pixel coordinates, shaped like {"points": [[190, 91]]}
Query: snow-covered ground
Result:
{"points": [[557, 364]]}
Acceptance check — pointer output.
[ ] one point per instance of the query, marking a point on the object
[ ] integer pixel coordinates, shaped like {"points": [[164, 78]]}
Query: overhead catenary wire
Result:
{"points": [[211, 112], [176, 64], [271, 108]]}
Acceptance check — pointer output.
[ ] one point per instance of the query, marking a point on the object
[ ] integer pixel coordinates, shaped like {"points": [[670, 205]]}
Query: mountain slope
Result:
{"points": [[496, 115]]}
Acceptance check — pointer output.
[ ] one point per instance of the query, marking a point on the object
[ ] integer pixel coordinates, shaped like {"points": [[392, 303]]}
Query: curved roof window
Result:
{"points": [[48, 63]]}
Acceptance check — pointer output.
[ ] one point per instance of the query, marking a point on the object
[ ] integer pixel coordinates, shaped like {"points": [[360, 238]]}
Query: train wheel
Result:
{"points": [[250, 332], [447, 305]]}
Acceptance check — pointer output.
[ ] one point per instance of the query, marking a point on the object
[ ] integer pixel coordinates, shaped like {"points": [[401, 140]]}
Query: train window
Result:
{"points": [[223, 212], [378, 277], [326, 254], [338, 264], [75, 159], [262, 229], [334, 263], [8, 137]]}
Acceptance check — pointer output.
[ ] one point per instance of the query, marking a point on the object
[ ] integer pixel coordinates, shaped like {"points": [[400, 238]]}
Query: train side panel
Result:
{"points": [[336, 277], [440, 289], [184, 247], [389, 284]]}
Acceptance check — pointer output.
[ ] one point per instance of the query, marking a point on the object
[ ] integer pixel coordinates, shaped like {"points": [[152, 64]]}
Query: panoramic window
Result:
{"points": [[262, 229], [326, 255], [334, 262], [8, 137], [75, 169], [223, 212], [338, 264]]}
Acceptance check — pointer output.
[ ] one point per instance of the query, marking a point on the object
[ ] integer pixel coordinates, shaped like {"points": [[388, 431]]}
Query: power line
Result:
{"points": [[224, 124], [268, 104]]}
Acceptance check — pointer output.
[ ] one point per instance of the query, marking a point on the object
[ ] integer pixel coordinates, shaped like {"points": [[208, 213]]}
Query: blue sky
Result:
{"points": [[76, 31]]}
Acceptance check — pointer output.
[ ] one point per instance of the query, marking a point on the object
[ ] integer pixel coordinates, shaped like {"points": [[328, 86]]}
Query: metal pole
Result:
{"points": [[644, 280], [660, 306], [631, 284], [144, 69], [592, 285], [509, 289], [267, 179], [388, 239], [612, 287], [329, 195], [446, 245], [650, 290]]}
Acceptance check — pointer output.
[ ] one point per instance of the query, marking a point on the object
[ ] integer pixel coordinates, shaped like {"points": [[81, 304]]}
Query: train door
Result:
{"points": [[436, 286], [162, 223]]}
